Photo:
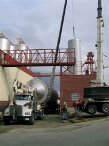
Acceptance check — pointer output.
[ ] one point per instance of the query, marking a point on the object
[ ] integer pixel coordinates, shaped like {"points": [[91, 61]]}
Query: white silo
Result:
{"points": [[77, 68], [23, 50], [13, 50], [4, 42], [21, 45]]}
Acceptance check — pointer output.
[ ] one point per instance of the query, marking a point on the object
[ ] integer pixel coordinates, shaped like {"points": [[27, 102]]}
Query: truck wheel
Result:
{"points": [[31, 121], [91, 109], [42, 115], [6, 120], [105, 108]]}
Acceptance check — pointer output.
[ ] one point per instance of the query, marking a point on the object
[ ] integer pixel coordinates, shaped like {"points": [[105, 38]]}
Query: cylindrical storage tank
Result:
{"points": [[13, 50], [23, 47], [23, 50], [25, 56], [43, 93], [4, 42], [75, 44]]}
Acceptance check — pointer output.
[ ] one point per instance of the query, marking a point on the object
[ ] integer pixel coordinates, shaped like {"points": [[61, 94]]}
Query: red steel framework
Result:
{"points": [[90, 62], [36, 57], [43, 57]]}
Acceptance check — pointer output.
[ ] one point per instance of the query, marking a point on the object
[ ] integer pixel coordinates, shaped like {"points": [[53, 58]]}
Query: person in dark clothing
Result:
{"points": [[64, 112]]}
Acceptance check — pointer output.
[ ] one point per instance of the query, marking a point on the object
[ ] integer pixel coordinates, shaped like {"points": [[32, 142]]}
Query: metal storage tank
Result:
{"points": [[43, 93], [4, 42], [22, 46], [13, 50], [75, 44]]}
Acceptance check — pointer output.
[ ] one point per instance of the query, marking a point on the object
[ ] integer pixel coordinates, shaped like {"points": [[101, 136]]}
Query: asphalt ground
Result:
{"points": [[54, 121]]}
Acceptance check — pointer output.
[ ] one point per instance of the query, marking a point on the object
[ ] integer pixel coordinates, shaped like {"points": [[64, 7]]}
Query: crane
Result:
{"points": [[58, 44], [97, 95], [100, 26]]}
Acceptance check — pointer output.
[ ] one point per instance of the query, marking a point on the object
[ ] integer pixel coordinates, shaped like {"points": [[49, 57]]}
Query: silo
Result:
{"points": [[13, 50], [23, 51], [75, 44], [21, 46], [4, 42]]}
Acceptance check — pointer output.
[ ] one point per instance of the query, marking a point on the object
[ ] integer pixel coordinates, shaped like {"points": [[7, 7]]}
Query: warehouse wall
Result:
{"points": [[7, 76]]}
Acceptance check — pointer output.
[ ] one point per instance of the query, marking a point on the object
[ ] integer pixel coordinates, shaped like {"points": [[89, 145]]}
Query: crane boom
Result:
{"points": [[100, 44], [58, 44]]}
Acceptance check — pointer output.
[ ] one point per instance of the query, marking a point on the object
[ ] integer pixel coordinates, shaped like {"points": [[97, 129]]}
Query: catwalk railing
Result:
{"points": [[36, 57]]}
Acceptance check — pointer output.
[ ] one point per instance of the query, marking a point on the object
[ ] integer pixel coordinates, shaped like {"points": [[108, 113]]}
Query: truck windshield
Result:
{"points": [[22, 97]]}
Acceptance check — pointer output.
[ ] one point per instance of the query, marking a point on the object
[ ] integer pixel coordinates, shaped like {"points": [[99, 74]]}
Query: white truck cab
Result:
{"points": [[21, 109]]}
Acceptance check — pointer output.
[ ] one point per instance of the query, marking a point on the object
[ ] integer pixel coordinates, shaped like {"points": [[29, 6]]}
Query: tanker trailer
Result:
{"points": [[44, 95]]}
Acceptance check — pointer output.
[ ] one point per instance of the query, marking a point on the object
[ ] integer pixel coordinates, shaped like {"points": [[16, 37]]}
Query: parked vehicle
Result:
{"points": [[97, 94], [23, 107]]}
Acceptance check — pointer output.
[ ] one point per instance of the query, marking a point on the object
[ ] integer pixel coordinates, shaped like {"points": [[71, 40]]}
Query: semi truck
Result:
{"points": [[23, 106], [96, 100], [96, 96]]}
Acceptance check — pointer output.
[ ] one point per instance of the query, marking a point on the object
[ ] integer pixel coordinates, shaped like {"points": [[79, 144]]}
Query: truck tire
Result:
{"points": [[42, 115], [91, 109], [6, 120], [105, 108], [31, 120]]}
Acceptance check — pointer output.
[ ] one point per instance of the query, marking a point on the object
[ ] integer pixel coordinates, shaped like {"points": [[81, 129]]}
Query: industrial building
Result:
{"points": [[8, 75], [15, 62], [78, 76]]}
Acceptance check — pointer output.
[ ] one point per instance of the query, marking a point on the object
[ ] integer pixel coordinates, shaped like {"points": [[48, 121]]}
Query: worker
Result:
{"points": [[64, 112], [58, 106]]}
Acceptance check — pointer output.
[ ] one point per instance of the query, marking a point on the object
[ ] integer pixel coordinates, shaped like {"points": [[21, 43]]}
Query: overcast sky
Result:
{"points": [[38, 21]]}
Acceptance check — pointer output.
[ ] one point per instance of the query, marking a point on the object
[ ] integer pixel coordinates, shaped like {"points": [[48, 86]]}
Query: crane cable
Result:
{"points": [[58, 44]]}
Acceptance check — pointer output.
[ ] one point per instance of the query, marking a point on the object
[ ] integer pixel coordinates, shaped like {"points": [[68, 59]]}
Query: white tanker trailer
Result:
{"points": [[44, 95]]}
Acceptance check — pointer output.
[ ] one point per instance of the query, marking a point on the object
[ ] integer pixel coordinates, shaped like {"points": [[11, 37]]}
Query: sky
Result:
{"points": [[38, 22]]}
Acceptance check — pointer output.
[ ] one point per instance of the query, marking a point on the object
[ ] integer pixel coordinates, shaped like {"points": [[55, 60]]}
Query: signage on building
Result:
{"points": [[75, 96]]}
